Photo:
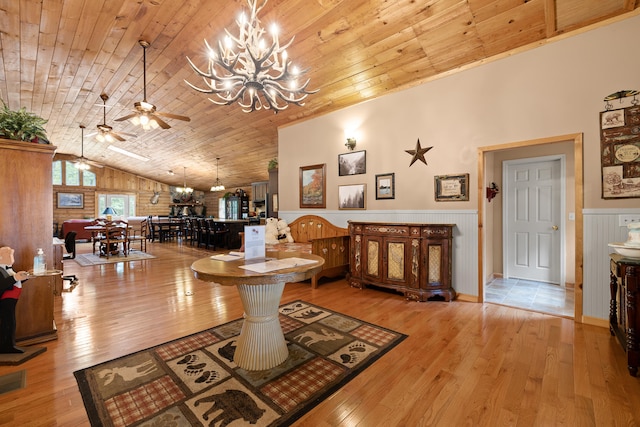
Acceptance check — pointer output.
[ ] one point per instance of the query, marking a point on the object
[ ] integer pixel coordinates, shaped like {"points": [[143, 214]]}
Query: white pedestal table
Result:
{"points": [[261, 344]]}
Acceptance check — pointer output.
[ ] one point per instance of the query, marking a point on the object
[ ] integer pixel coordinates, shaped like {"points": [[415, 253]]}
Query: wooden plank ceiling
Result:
{"points": [[58, 56]]}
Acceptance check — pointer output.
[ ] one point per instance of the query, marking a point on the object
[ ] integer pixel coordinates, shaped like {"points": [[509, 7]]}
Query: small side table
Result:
{"points": [[624, 321]]}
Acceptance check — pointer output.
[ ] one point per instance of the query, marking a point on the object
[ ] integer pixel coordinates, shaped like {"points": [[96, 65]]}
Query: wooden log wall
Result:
{"points": [[114, 181], [109, 180]]}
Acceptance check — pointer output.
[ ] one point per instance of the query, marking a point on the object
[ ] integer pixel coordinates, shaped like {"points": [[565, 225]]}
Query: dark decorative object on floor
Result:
{"points": [[13, 381], [193, 380]]}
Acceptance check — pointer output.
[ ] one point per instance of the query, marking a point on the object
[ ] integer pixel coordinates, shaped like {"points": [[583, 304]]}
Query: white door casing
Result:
{"points": [[534, 205]]}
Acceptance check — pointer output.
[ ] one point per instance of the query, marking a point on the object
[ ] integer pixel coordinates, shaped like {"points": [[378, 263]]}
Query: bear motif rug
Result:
{"points": [[193, 381]]}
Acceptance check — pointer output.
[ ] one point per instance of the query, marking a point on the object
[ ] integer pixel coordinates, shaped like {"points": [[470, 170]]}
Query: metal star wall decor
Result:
{"points": [[418, 153]]}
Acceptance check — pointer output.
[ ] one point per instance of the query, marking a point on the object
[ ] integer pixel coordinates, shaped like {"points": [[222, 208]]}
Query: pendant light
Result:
{"points": [[82, 164], [185, 190], [218, 185]]}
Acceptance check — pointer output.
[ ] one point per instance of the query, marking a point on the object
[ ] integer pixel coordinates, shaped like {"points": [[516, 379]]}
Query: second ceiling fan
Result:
{"points": [[144, 113], [82, 163], [106, 132]]}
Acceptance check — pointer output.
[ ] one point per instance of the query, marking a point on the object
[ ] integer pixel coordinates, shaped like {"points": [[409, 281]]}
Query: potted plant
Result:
{"points": [[22, 125], [273, 164]]}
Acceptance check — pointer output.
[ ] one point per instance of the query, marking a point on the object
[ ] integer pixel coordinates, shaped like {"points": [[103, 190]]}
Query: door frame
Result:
{"points": [[577, 139], [563, 208]]}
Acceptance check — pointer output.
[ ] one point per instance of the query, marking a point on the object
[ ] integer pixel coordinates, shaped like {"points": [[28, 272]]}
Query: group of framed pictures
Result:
{"points": [[313, 184]]}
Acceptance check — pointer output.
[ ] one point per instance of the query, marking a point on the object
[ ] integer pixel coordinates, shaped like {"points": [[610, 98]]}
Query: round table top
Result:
{"points": [[229, 273]]}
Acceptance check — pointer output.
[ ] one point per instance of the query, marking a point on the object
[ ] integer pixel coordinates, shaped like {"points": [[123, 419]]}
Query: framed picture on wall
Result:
{"points": [[352, 196], [70, 200], [612, 119], [354, 163], [620, 153], [452, 188], [313, 186], [386, 186]]}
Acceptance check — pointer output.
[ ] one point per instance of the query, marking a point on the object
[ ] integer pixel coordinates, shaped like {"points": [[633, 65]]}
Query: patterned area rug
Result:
{"points": [[91, 259], [193, 380]]}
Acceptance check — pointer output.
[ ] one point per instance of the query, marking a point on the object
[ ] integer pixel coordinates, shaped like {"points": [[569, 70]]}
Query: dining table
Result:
{"points": [[98, 230], [260, 282], [165, 227]]}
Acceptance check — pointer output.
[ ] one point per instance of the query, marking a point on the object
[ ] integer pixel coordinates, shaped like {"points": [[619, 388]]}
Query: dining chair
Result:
{"points": [[70, 245], [199, 231], [70, 248], [190, 229], [97, 236], [193, 230], [152, 229], [138, 235], [115, 235], [219, 233], [205, 233]]}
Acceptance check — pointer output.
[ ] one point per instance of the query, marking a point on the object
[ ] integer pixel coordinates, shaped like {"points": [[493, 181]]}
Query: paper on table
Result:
{"points": [[277, 264], [231, 256]]}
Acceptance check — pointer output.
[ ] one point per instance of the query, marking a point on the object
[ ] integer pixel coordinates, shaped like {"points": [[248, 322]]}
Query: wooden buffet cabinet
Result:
{"points": [[26, 225], [414, 259], [624, 315]]}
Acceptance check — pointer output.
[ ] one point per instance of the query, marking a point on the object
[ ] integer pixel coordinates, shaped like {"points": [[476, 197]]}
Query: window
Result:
{"points": [[88, 179], [56, 172], [123, 204], [72, 174]]}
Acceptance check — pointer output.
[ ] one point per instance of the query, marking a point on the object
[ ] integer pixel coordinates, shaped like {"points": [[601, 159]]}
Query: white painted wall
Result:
{"points": [[555, 89]]}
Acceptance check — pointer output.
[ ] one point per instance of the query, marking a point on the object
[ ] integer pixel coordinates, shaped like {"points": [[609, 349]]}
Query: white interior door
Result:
{"points": [[533, 219]]}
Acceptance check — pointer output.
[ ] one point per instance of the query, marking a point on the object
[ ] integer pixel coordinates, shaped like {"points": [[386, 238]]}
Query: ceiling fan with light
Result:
{"points": [[83, 163], [144, 113], [106, 132]]}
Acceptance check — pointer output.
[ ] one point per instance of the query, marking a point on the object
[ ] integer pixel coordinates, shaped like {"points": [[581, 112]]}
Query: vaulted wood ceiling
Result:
{"points": [[58, 56]]}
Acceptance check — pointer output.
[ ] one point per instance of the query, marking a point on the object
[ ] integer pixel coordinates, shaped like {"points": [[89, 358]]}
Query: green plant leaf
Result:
{"points": [[21, 125]]}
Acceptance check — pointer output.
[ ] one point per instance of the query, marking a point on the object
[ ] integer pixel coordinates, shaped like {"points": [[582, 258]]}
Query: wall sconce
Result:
{"points": [[351, 143], [492, 191]]}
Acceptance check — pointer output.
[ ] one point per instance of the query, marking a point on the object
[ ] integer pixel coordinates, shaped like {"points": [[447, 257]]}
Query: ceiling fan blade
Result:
{"points": [[132, 135], [92, 163], [90, 134], [173, 116], [116, 136], [162, 123], [127, 117]]}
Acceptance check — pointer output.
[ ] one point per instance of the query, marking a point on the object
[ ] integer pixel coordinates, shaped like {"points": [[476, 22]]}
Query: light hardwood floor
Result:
{"points": [[462, 364]]}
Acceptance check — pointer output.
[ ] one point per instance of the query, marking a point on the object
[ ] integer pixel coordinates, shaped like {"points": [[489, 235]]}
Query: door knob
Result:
{"points": [[555, 228]]}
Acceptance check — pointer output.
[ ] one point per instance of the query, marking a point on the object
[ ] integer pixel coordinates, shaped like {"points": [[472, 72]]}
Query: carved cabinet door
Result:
{"points": [[395, 257], [372, 257], [436, 268]]}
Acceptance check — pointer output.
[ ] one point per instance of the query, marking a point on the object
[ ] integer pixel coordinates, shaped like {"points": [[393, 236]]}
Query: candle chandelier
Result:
{"points": [[185, 191], [217, 186], [244, 69]]}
